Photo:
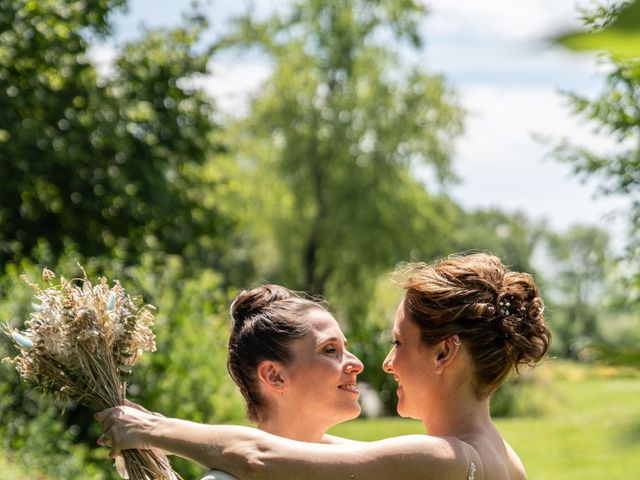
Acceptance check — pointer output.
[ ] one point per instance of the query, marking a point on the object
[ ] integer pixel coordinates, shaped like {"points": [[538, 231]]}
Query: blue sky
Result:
{"points": [[495, 53]]}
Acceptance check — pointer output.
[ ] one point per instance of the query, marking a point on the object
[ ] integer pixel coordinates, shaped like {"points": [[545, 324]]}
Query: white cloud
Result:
{"points": [[502, 165], [508, 19]]}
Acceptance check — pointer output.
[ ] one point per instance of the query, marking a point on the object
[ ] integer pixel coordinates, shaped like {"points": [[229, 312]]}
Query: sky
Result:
{"points": [[508, 77]]}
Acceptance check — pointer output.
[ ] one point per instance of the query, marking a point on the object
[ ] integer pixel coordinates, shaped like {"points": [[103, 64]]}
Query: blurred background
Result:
{"points": [[191, 150]]}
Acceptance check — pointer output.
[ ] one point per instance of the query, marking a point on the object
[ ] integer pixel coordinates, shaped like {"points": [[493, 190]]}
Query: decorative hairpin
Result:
{"points": [[505, 307]]}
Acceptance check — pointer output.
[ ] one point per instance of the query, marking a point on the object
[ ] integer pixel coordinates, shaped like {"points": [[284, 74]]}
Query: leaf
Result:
{"points": [[621, 37]]}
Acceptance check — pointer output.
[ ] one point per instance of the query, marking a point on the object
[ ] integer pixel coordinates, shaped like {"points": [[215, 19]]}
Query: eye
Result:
{"points": [[395, 343], [330, 349]]}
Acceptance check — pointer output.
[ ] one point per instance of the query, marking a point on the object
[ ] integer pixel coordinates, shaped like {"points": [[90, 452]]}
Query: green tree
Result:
{"points": [[616, 115], [112, 164], [512, 237], [577, 285], [332, 141], [615, 112], [129, 168]]}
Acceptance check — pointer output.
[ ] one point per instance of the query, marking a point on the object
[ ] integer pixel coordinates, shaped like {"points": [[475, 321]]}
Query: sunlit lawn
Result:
{"points": [[591, 431]]}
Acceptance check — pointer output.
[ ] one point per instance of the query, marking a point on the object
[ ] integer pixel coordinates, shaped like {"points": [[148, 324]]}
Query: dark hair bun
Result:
{"points": [[254, 301], [521, 316]]}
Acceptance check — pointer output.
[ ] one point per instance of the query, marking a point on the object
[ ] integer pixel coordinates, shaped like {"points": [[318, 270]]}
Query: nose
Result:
{"points": [[353, 364], [388, 361]]}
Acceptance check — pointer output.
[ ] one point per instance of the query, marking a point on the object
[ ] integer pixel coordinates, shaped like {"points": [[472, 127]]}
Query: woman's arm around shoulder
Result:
{"points": [[248, 453], [335, 440]]}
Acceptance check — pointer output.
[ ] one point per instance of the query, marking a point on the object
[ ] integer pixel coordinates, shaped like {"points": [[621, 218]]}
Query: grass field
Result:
{"points": [[590, 431]]}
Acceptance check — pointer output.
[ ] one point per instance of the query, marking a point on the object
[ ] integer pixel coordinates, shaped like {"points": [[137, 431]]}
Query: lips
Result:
{"points": [[398, 382], [349, 387]]}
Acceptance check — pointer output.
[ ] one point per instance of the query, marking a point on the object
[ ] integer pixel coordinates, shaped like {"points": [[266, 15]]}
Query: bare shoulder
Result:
{"points": [[441, 457], [410, 457], [516, 468]]}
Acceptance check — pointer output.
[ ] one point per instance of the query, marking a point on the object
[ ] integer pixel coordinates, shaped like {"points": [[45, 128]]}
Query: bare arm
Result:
{"points": [[334, 440], [248, 453]]}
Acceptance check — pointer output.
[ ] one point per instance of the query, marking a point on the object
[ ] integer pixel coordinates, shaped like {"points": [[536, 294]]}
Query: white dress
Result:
{"points": [[217, 475]]}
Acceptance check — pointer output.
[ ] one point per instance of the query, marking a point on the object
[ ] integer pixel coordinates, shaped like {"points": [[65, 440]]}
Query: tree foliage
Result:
{"points": [[576, 286], [126, 174], [110, 164], [185, 377], [613, 27], [333, 139], [615, 113]]}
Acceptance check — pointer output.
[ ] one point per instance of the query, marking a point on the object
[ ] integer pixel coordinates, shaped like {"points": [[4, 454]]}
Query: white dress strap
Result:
{"points": [[217, 475]]}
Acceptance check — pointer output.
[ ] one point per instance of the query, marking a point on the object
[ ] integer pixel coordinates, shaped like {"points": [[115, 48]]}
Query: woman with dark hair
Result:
{"points": [[463, 325], [288, 356]]}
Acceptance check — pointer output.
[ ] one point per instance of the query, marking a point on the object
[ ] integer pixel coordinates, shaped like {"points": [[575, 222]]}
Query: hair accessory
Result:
{"points": [[504, 307]]}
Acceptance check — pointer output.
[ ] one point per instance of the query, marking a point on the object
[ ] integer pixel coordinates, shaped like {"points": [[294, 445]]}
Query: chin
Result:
{"points": [[351, 413], [405, 413], [356, 412], [401, 410]]}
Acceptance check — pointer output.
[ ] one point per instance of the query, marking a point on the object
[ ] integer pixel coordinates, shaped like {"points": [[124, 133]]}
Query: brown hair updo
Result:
{"points": [[265, 320], [497, 314]]}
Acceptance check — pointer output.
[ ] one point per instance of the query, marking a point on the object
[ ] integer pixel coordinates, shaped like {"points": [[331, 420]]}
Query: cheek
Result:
{"points": [[320, 373]]}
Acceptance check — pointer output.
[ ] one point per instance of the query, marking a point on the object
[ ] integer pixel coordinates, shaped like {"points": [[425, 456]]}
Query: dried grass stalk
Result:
{"points": [[80, 344]]}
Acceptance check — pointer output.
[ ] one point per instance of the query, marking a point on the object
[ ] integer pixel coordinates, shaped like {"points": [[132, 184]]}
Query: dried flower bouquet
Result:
{"points": [[80, 344]]}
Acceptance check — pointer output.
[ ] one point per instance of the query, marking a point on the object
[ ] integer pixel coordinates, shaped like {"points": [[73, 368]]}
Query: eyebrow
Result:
{"points": [[332, 339]]}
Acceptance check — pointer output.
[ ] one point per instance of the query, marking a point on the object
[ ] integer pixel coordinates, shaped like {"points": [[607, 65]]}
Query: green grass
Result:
{"points": [[591, 430]]}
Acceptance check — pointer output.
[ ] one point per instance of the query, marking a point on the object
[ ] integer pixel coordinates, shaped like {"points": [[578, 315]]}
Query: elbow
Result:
{"points": [[250, 460]]}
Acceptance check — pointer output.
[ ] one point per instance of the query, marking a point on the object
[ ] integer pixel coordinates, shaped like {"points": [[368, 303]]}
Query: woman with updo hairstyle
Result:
{"points": [[496, 314], [464, 324], [288, 356]]}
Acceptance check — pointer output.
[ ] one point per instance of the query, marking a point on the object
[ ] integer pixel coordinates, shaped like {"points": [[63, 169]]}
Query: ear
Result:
{"points": [[272, 375], [446, 352]]}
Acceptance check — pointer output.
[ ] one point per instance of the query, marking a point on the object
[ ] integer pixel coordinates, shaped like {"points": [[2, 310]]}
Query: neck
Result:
{"points": [[458, 414], [285, 426]]}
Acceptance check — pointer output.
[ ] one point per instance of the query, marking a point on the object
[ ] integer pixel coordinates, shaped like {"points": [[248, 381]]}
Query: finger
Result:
{"points": [[104, 440], [131, 404], [120, 467], [109, 422], [115, 452], [102, 415]]}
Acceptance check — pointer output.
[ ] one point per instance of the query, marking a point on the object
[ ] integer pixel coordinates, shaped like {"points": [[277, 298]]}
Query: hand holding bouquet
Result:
{"points": [[81, 343]]}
